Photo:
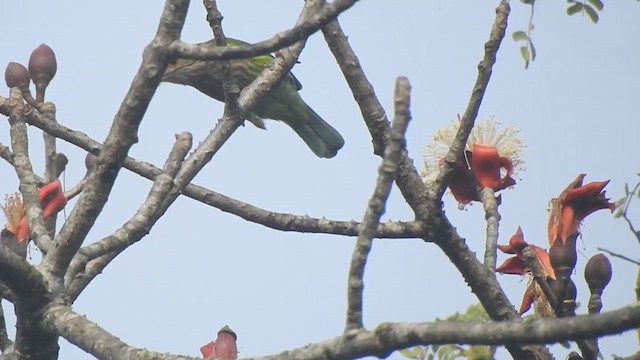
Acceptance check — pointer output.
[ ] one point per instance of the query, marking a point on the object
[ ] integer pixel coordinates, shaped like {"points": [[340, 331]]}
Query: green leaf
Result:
{"points": [[530, 2], [533, 50], [524, 51], [574, 9], [526, 56], [520, 36], [412, 353], [591, 13], [618, 213], [597, 4]]}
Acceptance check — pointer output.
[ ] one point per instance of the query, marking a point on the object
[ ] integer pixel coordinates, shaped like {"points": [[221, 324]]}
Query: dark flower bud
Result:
{"points": [[563, 257], [42, 66], [16, 75], [598, 272]]}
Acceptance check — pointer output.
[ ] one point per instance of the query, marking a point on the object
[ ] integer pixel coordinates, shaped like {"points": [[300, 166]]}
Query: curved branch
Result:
{"points": [[279, 41]]}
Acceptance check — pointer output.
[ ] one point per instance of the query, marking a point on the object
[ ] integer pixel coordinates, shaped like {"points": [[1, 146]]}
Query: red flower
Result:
{"points": [[516, 265], [491, 158], [574, 204], [484, 170], [52, 200], [223, 348]]}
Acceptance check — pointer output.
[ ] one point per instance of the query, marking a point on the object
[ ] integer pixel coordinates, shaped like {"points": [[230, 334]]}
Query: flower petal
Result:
{"points": [[485, 165], [517, 242], [208, 351], [512, 265], [507, 249], [527, 300], [573, 205], [544, 261], [463, 184]]}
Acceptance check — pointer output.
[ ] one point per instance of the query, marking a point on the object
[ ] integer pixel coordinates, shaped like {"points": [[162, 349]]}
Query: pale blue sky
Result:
{"points": [[575, 106]]}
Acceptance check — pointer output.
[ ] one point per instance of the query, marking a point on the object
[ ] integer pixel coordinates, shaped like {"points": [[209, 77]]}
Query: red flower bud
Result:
{"points": [[16, 75]]}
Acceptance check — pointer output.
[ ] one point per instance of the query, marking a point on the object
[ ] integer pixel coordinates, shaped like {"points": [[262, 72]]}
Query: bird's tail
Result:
{"points": [[322, 138]]}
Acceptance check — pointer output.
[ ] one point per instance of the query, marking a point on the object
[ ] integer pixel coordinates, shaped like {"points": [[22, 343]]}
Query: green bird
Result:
{"points": [[282, 103]]}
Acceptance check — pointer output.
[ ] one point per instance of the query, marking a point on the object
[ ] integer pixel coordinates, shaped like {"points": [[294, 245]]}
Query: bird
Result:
{"points": [[282, 103]]}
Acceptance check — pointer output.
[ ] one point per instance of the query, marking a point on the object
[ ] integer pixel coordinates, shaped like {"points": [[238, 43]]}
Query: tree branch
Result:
{"points": [[24, 170], [375, 209], [485, 68], [426, 205], [79, 275], [6, 154], [274, 220], [490, 204], [122, 136], [301, 31], [381, 342], [388, 337]]}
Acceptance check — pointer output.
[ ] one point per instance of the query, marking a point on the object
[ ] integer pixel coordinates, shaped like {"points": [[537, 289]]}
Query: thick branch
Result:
{"points": [[381, 342], [90, 337], [122, 136], [386, 175], [389, 337]]}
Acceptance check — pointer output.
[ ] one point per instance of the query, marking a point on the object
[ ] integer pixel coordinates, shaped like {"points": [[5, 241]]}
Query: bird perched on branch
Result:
{"points": [[282, 103]]}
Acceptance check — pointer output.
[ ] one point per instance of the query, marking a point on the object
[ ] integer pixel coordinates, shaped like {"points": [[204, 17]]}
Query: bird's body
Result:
{"points": [[282, 103]]}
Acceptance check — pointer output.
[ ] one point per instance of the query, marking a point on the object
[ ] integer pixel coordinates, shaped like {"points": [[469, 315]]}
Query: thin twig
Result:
{"points": [[485, 68], [301, 31], [51, 170], [492, 216], [531, 260], [630, 197], [24, 170], [620, 256], [371, 219], [154, 206]]}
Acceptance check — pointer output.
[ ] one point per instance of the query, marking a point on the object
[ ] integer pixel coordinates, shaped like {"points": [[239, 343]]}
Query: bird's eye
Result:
{"points": [[173, 62]]}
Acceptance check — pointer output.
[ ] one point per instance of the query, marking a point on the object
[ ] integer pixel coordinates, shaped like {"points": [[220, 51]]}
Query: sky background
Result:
{"points": [[200, 268]]}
